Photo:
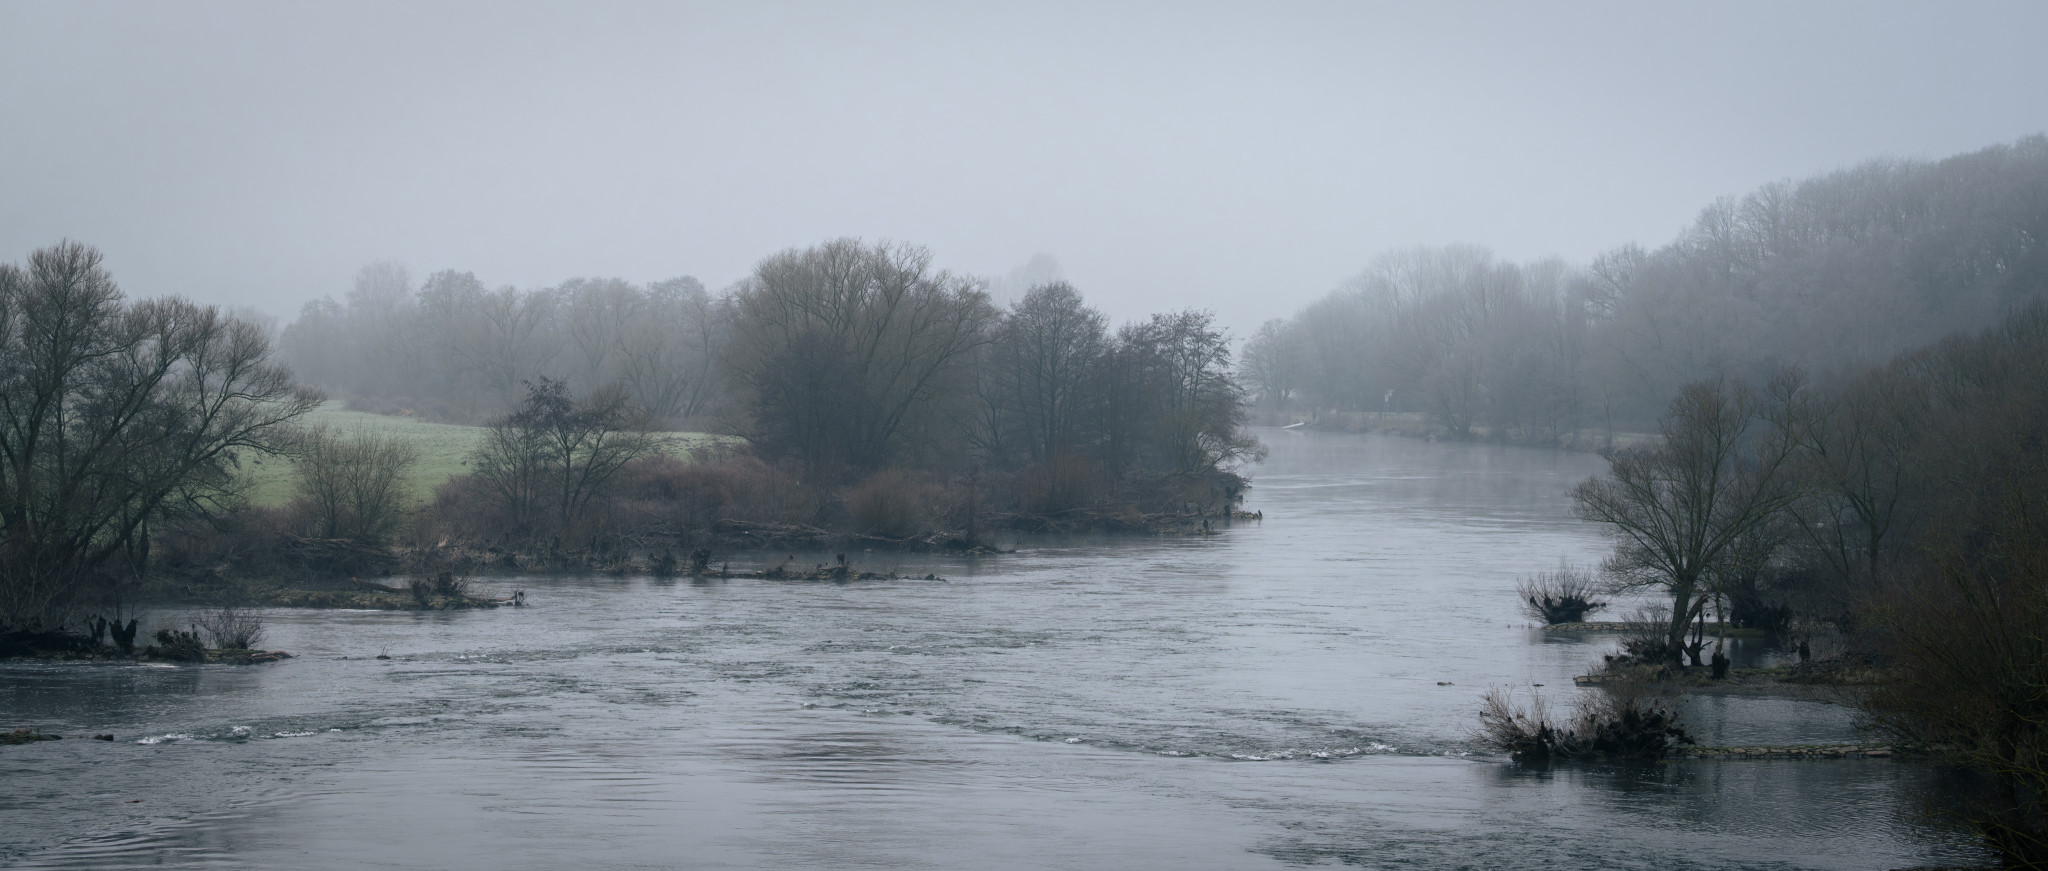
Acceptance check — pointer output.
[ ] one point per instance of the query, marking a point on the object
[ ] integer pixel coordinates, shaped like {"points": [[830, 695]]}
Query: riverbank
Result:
{"points": [[300, 572], [1820, 680], [206, 656], [1713, 630], [1786, 751]]}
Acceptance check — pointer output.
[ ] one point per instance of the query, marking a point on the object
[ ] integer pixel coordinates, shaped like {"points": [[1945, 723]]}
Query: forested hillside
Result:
{"points": [[1828, 274]]}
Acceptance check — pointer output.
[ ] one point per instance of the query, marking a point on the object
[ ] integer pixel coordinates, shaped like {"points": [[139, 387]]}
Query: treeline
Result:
{"points": [[1828, 274], [1905, 505], [451, 349], [873, 396], [887, 396]]}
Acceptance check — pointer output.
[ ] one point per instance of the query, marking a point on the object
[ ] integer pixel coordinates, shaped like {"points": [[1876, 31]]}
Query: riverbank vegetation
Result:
{"points": [[1902, 508], [866, 399], [872, 398], [1618, 725], [117, 418]]}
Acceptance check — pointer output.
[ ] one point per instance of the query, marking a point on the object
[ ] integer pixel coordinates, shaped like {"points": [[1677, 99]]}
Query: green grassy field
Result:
{"points": [[443, 451]]}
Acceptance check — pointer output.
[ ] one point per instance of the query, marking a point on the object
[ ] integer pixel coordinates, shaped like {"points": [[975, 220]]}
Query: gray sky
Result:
{"points": [[1244, 158]]}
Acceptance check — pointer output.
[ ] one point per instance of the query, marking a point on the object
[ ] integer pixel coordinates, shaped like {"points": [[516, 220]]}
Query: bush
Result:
{"points": [[896, 504], [1062, 482], [1563, 596], [177, 645], [352, 486], [230, 628], [444, 584], [712, 486], [249, 540], [1643, 639], [1610, 726]]}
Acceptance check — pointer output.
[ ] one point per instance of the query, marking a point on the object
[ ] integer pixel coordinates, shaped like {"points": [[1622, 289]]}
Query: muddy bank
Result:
{"points": [[1787, 751], [1820, 680], [1713, 630], [208, 656]]}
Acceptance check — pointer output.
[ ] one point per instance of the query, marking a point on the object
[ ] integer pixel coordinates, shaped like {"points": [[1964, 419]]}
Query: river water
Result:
{"points": [[1291, 692]]}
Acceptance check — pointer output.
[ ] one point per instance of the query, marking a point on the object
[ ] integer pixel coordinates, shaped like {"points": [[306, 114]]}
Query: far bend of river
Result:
{"points": [[1267, 697]]}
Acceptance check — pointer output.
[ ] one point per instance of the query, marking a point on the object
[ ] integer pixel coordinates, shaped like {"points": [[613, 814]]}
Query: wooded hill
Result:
{"points": [[1830, 274]]}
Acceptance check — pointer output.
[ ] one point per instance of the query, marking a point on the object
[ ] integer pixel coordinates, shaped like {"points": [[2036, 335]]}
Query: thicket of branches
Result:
{"points": [[351, 485], [116, 416], [1828, 274]]}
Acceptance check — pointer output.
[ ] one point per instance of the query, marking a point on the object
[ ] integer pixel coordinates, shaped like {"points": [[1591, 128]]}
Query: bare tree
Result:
{"points": [[1272, 365], [1044, 349], [353, 486], [550, 458], [1678, 511], [669, 352], [114, 415], [846, 351]]}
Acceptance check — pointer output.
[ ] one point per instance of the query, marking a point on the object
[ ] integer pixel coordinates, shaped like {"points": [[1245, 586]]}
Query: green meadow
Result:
{"points": [[444, 451]]}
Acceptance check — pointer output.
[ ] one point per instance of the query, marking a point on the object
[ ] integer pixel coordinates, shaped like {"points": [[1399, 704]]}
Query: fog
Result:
{"points": [[1242, 158]]}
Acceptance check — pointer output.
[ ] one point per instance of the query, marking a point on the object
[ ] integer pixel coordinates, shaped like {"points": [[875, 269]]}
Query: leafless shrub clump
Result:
{"points": [[1562, 596], [352, 485], [1643, 637], [446, 584], [1061, 482], [1622, 725], [894, 503], [230, 628], [714, 485], [181, 646]]}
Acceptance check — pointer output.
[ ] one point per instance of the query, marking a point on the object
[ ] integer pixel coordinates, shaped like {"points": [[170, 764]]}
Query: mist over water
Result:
{"points": [[1289, 692]]}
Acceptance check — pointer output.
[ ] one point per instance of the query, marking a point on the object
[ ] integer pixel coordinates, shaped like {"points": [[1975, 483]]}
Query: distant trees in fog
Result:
{"points": [[453, 349], [1828, 274]]}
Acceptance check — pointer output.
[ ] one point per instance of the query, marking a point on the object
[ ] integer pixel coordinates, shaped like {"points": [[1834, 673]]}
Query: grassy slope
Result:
{"points": [[443, 448]]}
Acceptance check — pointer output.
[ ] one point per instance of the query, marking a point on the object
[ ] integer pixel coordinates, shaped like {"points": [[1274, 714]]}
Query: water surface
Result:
{"points": [[1298, 691]]}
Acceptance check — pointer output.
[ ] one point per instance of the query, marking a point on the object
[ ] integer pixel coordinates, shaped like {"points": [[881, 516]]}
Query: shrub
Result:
{"points": [[463, 511], [895, 504], [250, 539], [230, 628], [353, 486], [1562, 596], [1062, 482], [715, 485], [177, 645], [445, 584], [1611, 726], [1643, 641]]}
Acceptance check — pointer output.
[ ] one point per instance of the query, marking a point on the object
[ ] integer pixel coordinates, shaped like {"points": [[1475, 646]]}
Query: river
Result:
{"points": [[1290, 692]]}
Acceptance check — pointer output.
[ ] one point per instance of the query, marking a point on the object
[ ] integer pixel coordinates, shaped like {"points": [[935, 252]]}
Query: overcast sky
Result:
{"points": [[1244, 158]]}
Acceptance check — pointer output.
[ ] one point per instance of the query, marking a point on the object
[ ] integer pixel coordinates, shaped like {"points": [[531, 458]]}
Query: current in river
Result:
{"points": [[1292, 692]]}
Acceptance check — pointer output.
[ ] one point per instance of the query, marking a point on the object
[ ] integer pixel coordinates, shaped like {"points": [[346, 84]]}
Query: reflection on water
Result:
{"points": [[1290, 692]]}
